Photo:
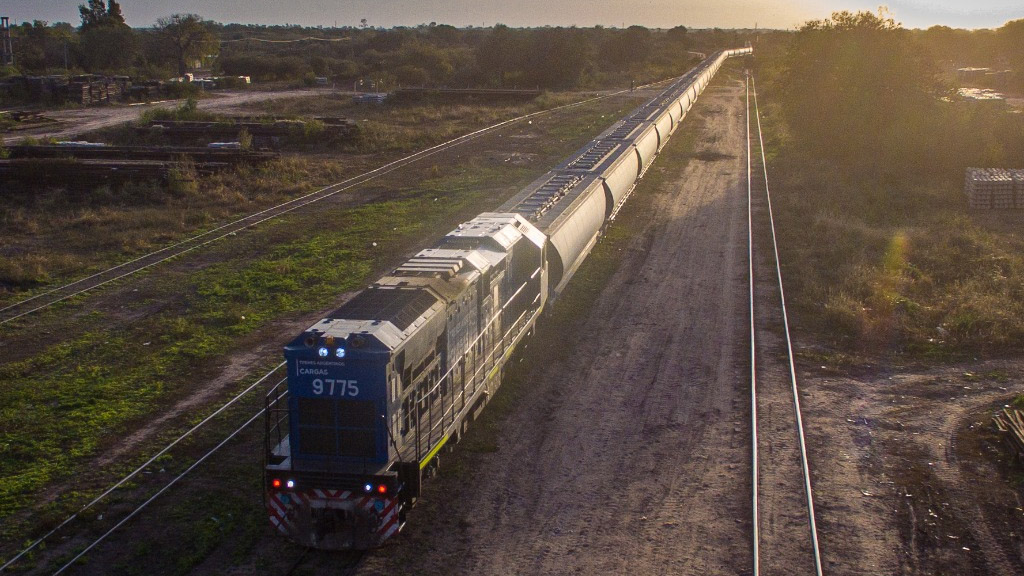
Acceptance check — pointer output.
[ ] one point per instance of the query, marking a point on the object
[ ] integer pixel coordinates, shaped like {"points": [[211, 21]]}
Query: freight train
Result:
{"points": [[377, 388]]}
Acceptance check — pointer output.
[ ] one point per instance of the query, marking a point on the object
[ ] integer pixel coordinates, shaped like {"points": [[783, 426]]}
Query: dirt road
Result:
{"points": [[632, 456], [71, 123]]}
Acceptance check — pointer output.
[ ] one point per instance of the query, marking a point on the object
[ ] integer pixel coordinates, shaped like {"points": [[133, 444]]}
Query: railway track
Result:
{"points": [[785, 537], [106, 493], [102, 278], [138, 509], [141, 263]]}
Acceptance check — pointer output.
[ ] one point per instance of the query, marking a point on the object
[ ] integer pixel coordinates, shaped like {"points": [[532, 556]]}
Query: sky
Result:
{"points": [[651, 13]]}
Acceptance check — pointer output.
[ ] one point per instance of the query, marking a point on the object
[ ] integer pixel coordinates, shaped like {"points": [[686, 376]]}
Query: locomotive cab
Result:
{"points": [[330, 483], [380, 386]]}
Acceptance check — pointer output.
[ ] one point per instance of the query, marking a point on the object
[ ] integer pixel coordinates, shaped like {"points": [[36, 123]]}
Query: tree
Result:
{"points": [[98, 13], [1011, 45], [93, 14], [556, 58], [114, 15], [502, 55], [678, 33], [189, 38], [108, 47], [627, 48], [107, 43], [856, 84]]}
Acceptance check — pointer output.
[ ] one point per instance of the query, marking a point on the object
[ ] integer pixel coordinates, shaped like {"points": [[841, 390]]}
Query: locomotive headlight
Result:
{"points": [[368, 488], [340, 353], [323, 352], [290, 484]]}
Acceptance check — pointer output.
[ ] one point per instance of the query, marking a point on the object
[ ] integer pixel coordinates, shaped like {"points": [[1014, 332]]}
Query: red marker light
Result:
{"points": [[276, 483], [382, 489]]}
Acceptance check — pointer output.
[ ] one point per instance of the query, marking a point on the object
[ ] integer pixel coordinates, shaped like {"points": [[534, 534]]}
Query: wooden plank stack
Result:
{"points": [[1010, 422], [993, 188]]}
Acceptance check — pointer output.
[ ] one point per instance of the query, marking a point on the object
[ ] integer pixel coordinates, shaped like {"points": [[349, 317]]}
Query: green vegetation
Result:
{"points": [[62, 405], [73, 230], [868, 154], [188, 111], [103, 381]]}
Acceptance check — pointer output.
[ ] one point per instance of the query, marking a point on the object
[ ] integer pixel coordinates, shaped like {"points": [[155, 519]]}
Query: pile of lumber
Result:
{"points": [[465, 94], [91, 151], [86, 164]]}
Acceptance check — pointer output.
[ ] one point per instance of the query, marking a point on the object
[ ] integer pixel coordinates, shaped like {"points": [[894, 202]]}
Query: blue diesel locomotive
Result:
{"points": [[377, 388]]}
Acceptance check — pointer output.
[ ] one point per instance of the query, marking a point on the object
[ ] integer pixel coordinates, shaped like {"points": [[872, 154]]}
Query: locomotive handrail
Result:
{"points": [[479, 367], [519, 322], [523, 326], [271, 408], [488, 326]]}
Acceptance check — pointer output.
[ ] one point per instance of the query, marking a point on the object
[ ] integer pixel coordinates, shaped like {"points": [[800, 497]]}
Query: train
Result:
{"points": [[378, 387]]}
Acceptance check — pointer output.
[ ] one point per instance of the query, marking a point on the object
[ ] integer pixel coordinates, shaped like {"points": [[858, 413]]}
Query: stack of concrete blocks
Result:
{"points": [[992, 188]]}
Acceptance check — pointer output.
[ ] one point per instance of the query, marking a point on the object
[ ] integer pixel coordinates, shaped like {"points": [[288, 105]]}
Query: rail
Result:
{"points": [[794, 388], [89, 283], [139, 469]]}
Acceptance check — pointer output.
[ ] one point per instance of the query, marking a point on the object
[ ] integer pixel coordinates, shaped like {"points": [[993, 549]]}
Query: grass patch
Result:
{"points": [[188, 111], [905, 269]]}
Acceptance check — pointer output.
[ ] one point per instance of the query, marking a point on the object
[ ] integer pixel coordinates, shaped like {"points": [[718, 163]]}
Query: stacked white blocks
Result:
{"points": [[994, 188]]}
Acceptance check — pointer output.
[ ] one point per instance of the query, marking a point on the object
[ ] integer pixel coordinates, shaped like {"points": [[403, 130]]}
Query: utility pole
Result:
{"points": [[7, 50]]}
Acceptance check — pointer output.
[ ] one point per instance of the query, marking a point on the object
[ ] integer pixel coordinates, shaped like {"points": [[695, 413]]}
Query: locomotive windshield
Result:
{"points": [[332, 427], [337, 403]]}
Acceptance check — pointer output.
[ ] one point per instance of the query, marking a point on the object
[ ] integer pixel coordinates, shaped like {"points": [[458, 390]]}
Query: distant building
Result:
{"points": [[6, 49]]}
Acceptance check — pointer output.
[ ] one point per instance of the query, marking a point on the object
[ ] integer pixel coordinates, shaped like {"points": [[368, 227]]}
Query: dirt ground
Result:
{"points": [[908, 475], [71, 122]]}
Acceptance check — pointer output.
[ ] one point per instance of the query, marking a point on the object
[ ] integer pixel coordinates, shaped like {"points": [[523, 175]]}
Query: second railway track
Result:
{"points": [[785, 539], [57, 294]]}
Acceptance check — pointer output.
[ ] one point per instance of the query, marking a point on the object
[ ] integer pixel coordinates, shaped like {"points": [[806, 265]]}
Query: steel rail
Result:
{"points": [[167, 487], [241, 223], [753, 356], [812, 525], [137, 470]]}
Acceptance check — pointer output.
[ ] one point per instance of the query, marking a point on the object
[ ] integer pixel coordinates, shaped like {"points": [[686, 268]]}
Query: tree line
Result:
{"points": [[427, 55], [104, 44], [859, 88]]}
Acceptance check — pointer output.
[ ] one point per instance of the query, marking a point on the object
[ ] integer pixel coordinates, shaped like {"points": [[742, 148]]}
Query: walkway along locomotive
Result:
{"points": [[377, 388]]}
